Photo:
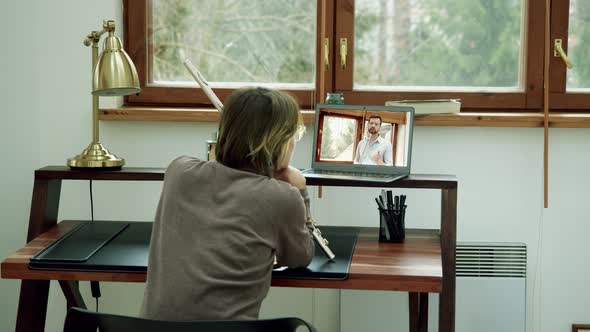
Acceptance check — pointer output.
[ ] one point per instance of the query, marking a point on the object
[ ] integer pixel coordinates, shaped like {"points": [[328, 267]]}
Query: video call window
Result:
{"points": [[341, 134]]}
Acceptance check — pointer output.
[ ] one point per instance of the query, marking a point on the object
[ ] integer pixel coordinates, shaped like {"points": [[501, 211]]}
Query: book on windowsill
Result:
{"points": [[430, 106]]}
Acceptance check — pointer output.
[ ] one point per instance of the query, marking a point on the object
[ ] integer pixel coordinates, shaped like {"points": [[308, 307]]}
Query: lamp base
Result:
{"points": [[96, 156]]}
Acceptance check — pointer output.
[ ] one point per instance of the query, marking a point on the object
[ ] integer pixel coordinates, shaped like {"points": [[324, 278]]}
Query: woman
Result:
{"points": [[220, 224]]}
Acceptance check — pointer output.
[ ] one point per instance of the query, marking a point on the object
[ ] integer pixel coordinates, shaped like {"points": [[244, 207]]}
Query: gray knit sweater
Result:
{"points": [[214, 239]]}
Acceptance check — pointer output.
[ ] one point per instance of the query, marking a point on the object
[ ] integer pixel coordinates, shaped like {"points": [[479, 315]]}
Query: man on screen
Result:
{"points": [[374, 150]]}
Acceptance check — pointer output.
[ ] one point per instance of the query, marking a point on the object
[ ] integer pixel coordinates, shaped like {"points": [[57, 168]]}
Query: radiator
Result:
{"points": [[491, 288]]}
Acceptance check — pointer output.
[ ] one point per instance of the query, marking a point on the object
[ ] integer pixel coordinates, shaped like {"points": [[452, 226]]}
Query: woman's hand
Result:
{"points": [[291, 175]]}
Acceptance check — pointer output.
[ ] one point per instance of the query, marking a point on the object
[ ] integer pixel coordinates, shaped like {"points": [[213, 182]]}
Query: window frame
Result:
{"points": [[358, 137], [136, 14], [559, 98], [515, 101], [335, 20]]}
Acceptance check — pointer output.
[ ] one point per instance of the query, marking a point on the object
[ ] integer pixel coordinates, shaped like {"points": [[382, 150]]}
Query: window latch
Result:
{"points": [[558, 52]]}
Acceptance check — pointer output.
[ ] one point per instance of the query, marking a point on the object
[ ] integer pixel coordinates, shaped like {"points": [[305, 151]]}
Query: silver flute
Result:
{"points": [[320, 240]]}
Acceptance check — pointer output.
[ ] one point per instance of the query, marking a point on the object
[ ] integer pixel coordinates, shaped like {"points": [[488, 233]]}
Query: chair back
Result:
{"points": [[81, 320]]}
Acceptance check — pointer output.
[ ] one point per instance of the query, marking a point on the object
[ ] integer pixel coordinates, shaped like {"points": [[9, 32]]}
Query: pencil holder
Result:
{"points": [[392, 225]]}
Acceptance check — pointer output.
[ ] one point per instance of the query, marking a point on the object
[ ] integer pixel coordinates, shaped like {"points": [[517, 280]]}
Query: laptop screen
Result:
{"points": [[372, 139]]}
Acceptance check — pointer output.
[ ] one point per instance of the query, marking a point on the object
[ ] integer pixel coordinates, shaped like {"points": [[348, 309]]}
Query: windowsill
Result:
{"points": [[527, 120]]}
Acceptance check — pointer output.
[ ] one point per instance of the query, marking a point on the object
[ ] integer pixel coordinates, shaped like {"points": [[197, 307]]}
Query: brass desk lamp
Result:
{"points": [[113, 75]]}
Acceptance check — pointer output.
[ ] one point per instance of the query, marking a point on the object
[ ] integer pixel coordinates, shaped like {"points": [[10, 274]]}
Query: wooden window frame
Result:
{"points": [[359, 135], [137, 14], [580, 327], [335, 20], [559, 99], [530, 99]]}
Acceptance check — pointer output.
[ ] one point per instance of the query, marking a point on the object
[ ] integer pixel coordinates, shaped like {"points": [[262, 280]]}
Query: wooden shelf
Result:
{"points": [[467, 119], [432, 181]]}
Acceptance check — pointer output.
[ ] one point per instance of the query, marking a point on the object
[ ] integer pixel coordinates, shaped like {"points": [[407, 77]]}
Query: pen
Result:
{"points": [[389, 200], [381, 215], [381, 206], [402, 203]]}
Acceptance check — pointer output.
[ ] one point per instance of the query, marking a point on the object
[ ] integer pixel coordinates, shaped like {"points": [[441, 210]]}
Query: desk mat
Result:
{"points": [[342, 242], [82, 242], [126, 250]]}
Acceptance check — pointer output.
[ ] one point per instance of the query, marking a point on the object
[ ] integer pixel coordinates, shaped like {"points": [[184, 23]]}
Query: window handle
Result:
{"points": [[326, 54], [343, 52], [559, 52]]}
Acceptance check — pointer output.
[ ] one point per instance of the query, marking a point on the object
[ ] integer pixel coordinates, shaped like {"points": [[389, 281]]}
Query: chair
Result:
{"points": [[81, 320]]}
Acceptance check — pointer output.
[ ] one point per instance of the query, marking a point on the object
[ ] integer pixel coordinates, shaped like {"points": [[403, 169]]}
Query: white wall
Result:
{"points": [[19, 139], [46, 119]]}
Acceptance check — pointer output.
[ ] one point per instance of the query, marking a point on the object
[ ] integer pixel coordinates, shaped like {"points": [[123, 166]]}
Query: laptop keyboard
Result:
{"points": [[363, 174], [321, 171]]}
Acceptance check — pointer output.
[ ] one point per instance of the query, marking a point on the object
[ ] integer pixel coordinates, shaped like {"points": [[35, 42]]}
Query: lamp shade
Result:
{"points": [[115, 73]]}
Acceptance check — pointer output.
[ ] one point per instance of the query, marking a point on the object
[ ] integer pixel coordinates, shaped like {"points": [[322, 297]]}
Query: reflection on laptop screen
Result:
{"points": [[368, 138]]}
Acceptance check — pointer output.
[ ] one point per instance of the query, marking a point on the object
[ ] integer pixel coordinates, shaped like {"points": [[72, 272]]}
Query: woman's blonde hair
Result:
{"points": [[255, 129]]}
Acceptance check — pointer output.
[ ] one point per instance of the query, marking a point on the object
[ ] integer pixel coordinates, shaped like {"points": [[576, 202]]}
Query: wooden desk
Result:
{"points": [[413, 266]]}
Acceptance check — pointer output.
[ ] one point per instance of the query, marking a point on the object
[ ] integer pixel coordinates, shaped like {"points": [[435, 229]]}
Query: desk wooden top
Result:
{"points": [[426, 181], [412, 266]]}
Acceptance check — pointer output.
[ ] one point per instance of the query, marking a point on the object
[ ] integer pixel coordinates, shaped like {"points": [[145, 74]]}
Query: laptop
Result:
{"points": [[362, 143]]}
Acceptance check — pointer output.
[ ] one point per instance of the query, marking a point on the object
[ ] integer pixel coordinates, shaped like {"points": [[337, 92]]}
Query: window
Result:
{"points": [[578, 79], [487, 53], [234, 43], [447, 44], [338, 138], [570, 87], [420, 49], [256, 41]]}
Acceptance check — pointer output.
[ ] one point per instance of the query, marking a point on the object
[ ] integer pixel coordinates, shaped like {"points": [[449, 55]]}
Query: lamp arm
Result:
{"points": [[95, 130], [94, 36]]}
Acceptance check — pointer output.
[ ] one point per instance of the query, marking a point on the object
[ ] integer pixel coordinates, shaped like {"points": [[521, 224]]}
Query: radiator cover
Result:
{"points": [[491, 288]]}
